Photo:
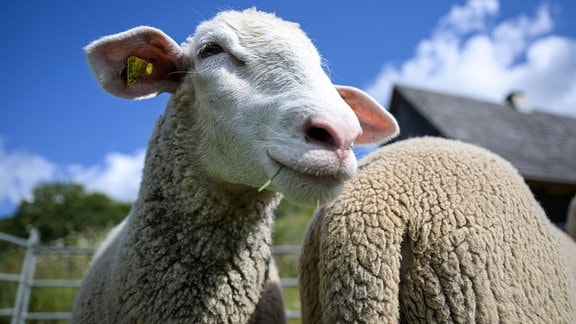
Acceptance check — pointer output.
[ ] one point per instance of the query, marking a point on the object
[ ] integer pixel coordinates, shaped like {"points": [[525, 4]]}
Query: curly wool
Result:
{"points": [[567, 243], [571, 218], [568, 252], [190, 251], [433, 230]]}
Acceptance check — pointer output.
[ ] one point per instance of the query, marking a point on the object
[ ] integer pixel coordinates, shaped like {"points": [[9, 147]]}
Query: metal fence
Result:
{"points": [[26, 281]]}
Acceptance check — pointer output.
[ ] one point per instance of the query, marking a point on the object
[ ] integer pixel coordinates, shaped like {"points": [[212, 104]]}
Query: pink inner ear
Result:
{"points": [[107, 58], [164, 65], [378, 125]]}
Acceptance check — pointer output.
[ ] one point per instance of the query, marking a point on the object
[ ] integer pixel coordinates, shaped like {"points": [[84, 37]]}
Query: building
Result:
{"points": [[540, 145]]}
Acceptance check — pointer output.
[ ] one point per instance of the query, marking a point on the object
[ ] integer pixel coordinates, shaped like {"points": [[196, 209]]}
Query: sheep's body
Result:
{"points": [[567, 241], [175, 259], [433, 230], [568, 253], [571, 218], [249, 98]]}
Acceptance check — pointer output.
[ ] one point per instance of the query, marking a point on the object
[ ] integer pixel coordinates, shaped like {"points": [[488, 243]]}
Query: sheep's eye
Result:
{"points": [[210, 49]]}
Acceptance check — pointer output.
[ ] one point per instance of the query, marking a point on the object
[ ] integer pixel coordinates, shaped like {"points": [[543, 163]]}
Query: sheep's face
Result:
{"points": [[263, 106]]}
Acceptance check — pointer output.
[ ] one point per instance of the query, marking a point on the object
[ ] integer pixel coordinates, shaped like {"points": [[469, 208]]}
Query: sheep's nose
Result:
{"points": [[338, 138]]}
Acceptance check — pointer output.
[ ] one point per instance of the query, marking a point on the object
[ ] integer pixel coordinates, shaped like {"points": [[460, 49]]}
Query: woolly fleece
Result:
{"points": [[477, 246], [191, 250], [568, 251], [571, 218]]}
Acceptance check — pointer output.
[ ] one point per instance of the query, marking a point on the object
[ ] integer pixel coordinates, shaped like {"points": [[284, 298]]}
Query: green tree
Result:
{"points": [[63, 208]]}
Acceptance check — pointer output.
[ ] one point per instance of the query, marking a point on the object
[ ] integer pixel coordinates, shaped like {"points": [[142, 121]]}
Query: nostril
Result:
{"points": [[323, 132], [320, 135]]}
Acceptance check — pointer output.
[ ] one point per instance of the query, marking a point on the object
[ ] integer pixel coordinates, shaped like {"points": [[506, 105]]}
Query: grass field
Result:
{"points": [[290, 226]]}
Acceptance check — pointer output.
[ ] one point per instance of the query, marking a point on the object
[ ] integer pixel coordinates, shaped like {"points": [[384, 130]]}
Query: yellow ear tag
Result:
{"points": [[135, 68]]}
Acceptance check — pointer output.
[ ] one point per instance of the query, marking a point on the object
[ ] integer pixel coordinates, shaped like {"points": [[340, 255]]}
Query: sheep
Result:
{"points": [[566, 240], [434, 230], [571, 218], [250, 105], [568, 252]]}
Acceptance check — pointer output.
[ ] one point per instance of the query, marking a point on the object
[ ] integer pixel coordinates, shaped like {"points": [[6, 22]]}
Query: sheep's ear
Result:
{"points": [[140, 62], [378, 125]]}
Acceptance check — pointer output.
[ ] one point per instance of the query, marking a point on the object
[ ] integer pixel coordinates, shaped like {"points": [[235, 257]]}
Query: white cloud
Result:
{"points": [[118, 176], [469, 54], [469, 17], [19, 172]]}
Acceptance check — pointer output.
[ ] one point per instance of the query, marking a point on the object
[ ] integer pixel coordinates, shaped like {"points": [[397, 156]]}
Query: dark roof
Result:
{"points": [[541, 145]]}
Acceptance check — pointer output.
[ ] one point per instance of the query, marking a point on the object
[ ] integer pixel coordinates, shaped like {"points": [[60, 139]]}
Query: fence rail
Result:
{"points": [[25, 279]]}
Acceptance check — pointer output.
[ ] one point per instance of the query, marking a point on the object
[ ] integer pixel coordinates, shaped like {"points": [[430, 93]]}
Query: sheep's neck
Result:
{"points": [[211, 251], [182, 209], [173, 174]]}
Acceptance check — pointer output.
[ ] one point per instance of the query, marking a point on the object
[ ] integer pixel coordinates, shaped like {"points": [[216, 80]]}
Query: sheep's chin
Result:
{"points": [[310, 195], [307, 188]]}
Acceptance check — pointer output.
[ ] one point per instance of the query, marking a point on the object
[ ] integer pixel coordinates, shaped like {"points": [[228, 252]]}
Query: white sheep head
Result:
{"points": [[265, 106]]}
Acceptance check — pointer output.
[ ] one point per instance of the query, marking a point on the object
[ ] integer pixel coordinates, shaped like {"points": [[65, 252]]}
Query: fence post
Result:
{"points": [[26, 278]]}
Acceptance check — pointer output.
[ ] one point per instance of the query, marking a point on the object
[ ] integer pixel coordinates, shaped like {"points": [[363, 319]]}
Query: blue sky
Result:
{"points": [[56, 124]]}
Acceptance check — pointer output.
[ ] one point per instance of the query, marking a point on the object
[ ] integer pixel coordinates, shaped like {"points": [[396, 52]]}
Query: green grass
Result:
{"points": [[291, 223]]}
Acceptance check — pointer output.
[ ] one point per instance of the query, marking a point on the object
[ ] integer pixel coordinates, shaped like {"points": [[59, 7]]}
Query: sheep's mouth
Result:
{"points": [[309, 181], [317, 176]]}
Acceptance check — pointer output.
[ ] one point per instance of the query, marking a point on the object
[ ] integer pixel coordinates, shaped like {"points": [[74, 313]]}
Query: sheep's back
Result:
{"points": [[476, 244]]}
